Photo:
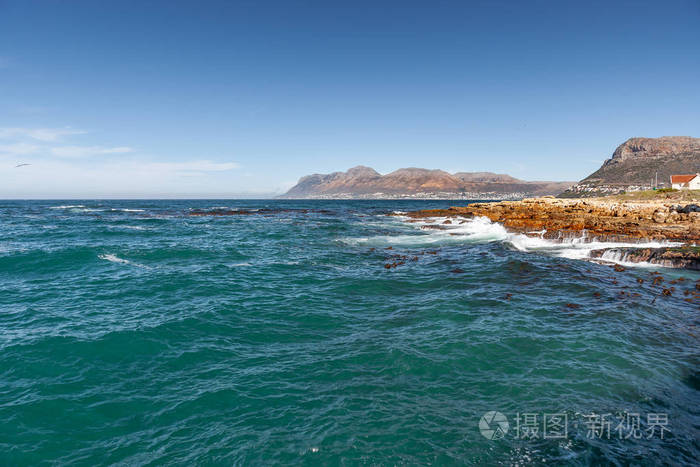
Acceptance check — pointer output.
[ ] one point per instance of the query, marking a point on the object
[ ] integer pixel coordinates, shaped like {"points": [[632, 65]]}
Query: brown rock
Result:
{"points": [[605, 219]]}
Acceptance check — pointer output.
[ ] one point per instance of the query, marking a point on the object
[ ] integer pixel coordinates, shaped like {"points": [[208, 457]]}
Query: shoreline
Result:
{"points": [[616, 220]]}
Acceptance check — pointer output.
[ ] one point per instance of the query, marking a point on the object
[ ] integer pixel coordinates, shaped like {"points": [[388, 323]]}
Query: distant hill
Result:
{"points": [[365, 182], [635, 163]]}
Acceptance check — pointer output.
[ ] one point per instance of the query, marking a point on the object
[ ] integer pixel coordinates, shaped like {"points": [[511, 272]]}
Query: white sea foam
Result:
{"points": [[223, 208], [76, 208], [478, 230], [617, 258], [127, 210], [435, 232], [575, 248], [115, 259]]}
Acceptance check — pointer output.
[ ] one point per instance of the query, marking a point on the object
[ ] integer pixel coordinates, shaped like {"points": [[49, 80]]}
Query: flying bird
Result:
{"points": [[21, 165]]}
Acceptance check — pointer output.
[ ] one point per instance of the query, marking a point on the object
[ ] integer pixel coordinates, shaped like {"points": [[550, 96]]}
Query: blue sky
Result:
{"points": [[168, 98]]}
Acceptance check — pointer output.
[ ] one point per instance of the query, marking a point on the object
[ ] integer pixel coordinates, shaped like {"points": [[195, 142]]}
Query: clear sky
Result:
{"points": [[204, 98]]}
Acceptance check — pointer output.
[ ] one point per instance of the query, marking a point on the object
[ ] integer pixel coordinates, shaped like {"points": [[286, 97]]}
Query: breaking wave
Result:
{"points": [[435, 233], [576, 248], [450, 231], [83, 208]]}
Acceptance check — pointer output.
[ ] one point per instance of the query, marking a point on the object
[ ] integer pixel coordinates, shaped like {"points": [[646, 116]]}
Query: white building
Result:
{"points": [[685, 182]]}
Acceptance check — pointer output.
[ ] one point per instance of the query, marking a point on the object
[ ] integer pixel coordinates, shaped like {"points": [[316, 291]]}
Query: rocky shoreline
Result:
{"points": [[599, 219], [686, 257]]}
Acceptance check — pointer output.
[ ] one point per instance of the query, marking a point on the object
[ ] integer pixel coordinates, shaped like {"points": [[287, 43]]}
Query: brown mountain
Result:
{"points": [[364, 182], [636, 163], [485, 177]]}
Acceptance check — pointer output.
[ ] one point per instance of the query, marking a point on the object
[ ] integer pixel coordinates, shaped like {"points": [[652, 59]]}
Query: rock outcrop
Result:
{"points": [[364, 182], [600, 219], [637, 164], [683, 257]]}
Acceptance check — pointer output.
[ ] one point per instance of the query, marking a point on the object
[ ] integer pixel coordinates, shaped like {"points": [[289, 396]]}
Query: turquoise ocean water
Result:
{"points": [[134, 333]]}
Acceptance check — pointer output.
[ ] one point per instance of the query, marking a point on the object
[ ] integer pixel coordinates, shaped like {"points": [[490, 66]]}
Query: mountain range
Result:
{"points": [[365, 182], [638, 163]]}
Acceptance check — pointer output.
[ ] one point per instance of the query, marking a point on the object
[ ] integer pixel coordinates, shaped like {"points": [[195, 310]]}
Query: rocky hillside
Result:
{"points": [[636, 162], [364, 182]]}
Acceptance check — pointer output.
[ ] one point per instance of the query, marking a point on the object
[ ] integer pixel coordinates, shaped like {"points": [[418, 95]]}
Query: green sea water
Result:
{"points": [[137, 333]]}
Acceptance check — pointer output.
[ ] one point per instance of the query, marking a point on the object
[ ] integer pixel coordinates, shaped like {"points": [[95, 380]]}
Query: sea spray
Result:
{"points": [[481, 229]]}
